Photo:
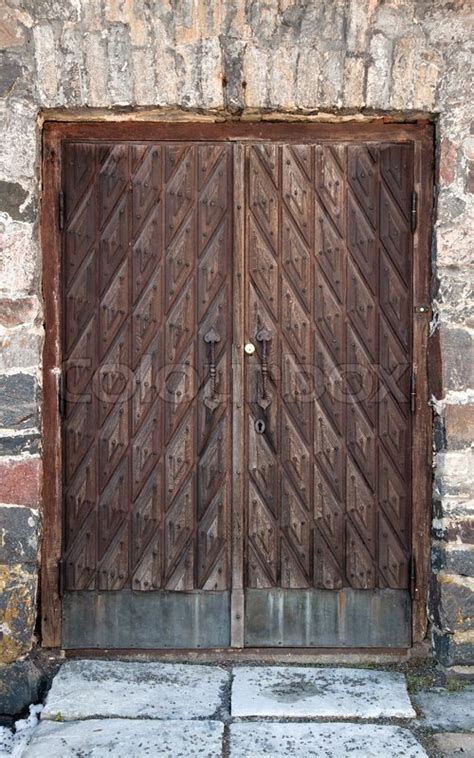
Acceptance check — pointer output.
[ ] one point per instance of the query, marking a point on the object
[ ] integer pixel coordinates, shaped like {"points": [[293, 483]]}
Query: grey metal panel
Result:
{"points": [[327, 618], [146, 620]]}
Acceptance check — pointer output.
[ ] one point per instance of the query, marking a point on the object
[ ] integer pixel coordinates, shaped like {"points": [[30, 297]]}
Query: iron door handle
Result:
{"points": [[211, 338], [264, 336]]}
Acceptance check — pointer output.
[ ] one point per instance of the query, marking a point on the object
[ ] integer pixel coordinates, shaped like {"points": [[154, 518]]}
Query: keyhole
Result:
{"points": [[260, 426]]}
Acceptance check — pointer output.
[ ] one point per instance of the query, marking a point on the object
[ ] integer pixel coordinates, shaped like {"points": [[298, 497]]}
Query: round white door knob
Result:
{"points": [[249, 348]]}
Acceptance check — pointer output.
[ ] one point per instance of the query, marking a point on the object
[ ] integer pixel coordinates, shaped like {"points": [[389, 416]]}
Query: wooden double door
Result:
{"points": [[238, 392]]}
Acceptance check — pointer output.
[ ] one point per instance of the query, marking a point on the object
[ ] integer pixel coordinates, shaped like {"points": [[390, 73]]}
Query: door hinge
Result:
{"points": [[414, 209], [62, 395], [61, 210], [60, 577], [413, 392], [414, 591]]}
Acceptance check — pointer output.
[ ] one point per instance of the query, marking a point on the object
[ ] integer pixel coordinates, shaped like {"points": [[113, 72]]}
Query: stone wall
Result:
{"points": [[233, 58]]}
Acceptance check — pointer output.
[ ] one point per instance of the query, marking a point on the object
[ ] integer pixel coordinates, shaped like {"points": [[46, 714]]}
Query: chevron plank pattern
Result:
{"points": [[329, 274], [147, 262]]}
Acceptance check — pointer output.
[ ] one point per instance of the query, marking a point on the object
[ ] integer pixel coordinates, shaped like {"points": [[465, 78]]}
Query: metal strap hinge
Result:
{"points": [[61, 210], [60, 577], [414, 591], [62, 395], [414, 209], [413, 392]]}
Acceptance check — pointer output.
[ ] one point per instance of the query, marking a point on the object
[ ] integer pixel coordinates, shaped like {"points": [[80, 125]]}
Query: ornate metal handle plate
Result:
{"points": [[264, 336], [212, 337]]}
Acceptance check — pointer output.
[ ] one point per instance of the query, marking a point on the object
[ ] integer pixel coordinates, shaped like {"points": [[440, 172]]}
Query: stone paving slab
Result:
{"points": [[455, 745], [329, 740], [283, 691], [93, 689], [126, 738], [447, 711]]}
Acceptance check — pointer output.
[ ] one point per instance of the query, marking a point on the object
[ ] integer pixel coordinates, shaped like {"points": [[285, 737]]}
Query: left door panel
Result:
{"points": [[146, 435]]}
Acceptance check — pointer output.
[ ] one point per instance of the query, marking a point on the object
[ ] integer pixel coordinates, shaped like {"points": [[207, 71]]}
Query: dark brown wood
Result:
{"points": [[50, 604], [423, 419], [354, 135], [296, 131], [147, 427], [238, 412], [328, 255]]}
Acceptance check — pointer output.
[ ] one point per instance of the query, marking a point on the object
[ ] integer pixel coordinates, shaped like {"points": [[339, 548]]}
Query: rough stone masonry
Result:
{"points": [[239, 58]]}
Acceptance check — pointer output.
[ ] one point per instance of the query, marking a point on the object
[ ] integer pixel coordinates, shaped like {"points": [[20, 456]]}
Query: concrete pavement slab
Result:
{"points": [[328, 740], [284, 691], [455, 744], [92, 689], [126, 738], [447, 711]]}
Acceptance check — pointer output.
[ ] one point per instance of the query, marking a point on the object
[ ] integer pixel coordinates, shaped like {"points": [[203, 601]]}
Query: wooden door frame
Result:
{"points": [[54, 132]]}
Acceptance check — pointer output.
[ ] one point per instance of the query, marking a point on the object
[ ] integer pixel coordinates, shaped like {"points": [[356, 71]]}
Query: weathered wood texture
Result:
{"points": [[147, 427], [329, 272]]}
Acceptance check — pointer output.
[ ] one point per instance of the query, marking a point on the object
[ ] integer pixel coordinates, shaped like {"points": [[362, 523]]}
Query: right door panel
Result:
{"points": [[328, 307]]}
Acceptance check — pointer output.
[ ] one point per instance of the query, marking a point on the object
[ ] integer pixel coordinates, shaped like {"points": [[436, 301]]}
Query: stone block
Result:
{"points": [[453, 649], [403, 72], [210, 75], [139, 738], [14, 312], [459, 425], [117, 689], [462, 530], [143, 76], [457, 351], [53, 10], [308, 79], [284, 692], [281, 78], [454, 473], [455, 300], [453, 242], [72, 76], [358, 21], [456, 603], [21, 683], [19, 141], [332, 79], [128, 12], [20, 349], [470, 176], [10, 72], [18, 401], [13, 201], [450, 206], [453, 559], [354, 82], [232, 61], [442, 709], [18, 584], [429, 69], [16, 443], [95, 61], [119, 60], [20, 480], [454, 744], [19, 270], [378, 76], [11, 31], [256, 65], [447, 161], [47, 64], [19, 534], [333, 739]]}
